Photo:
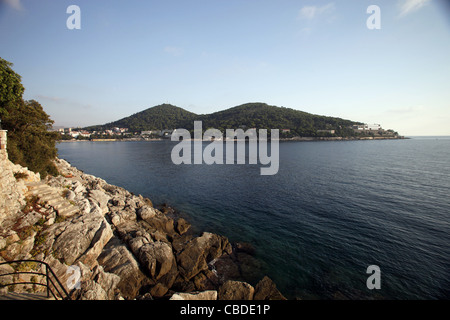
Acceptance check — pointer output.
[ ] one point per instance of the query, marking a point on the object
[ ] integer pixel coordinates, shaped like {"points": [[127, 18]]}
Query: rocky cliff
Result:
{"points": [[13, 179], [122, 246]]}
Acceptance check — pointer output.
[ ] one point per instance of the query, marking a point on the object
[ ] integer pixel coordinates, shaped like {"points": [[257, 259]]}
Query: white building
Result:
{"points": [[74, 134], [358, 127], [166, 133], [84, 134], [364, 127], [372, 127]]}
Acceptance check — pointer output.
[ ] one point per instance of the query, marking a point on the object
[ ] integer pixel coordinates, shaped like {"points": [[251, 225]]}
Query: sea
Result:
{"points": [[334, 209]]}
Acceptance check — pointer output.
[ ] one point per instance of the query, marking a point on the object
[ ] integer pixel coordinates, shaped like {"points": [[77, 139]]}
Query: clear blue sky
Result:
{"points": [[204, 56]]}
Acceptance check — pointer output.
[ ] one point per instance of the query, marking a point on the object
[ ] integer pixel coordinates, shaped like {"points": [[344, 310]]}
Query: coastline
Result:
{"points": [[300, 139], [216, 265], [123, 246]]}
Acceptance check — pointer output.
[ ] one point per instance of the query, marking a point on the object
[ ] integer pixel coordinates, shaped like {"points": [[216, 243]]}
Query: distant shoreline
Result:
{"points": [[282, 139]]}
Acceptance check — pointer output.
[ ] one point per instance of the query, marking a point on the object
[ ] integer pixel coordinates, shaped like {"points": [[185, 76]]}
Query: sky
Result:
{"points": [[210, 55]]}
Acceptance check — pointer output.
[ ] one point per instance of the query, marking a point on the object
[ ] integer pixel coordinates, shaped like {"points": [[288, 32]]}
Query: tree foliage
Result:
{"points": [[263, 116], [30, 143], [11, 88]]}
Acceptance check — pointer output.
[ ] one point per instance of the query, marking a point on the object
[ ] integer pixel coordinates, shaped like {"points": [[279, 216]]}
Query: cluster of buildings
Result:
{"points": [[161, 133], [372, 129], [74, 133], [366, 127]]}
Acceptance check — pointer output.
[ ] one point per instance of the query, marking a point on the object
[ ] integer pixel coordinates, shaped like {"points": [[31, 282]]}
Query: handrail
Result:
{"points": [[49, 281]]}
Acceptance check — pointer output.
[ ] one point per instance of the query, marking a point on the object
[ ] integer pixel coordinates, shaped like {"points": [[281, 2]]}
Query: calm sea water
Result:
{"points": [[333, 209]]}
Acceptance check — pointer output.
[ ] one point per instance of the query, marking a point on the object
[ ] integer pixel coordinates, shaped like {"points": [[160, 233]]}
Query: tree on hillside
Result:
{"points": [[30, 143], [11, 88]]}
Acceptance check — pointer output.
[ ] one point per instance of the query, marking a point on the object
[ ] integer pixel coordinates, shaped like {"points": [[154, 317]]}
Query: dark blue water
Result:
{"points": [[333, 209]]}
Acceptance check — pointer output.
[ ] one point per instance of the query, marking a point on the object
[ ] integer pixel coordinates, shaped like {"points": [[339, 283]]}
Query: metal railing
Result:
{"points": [[57, 290]]}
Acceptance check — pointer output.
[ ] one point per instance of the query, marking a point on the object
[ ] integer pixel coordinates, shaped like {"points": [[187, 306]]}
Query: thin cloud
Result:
{"points": [[407, 110], [15, 4], [311, 12], [62, 101], [48, 98], [174, 51], [409, 6]]}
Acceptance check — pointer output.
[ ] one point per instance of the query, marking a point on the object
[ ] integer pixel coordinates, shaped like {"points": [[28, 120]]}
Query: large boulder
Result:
{"points": [[108, 281], [205, 295], [206, 280], [92, 284], [100, 198], [136, 243], [91, 290], [157, 258], [236, 290], [198, 252], [84, 205], [146, 212], [182, 226], [78, 188], [267, 290], [158, 290], [121, 217], [76, 237], [117, 259], [22, 248], [101, 238], [161, 223]]}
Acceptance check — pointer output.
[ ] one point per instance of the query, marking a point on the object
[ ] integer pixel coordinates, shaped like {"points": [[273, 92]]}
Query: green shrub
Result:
{"points": [[20, 175], [30, 143]]}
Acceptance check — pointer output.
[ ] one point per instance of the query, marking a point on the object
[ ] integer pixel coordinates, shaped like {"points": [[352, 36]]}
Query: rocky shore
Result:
{"points": [[123, 246]]}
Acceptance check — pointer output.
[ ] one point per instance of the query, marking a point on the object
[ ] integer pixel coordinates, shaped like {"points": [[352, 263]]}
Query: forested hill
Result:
{"points": [[263, 116], [250, 115], [164, 116]]}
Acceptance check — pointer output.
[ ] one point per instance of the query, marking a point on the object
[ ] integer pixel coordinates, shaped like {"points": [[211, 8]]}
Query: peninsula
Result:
{"points": [[160, 121]]}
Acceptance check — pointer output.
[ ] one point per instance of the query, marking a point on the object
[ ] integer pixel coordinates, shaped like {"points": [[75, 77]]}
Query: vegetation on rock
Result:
{"points": [[30, 143]]}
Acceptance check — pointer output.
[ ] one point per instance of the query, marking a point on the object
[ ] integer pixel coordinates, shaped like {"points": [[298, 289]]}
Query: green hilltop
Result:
{"points": [[164, 116]]}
